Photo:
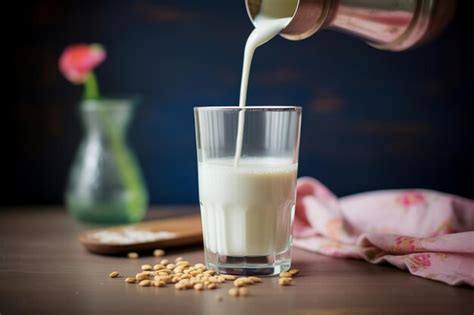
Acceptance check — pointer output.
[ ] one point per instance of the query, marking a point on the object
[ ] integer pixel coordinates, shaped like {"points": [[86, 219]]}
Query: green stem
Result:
{"points": [[129, 175], [91, 89], [125, 165]]}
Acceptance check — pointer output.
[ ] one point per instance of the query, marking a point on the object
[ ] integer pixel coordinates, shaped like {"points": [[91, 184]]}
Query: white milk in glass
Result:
{"points": [[247, 210]]}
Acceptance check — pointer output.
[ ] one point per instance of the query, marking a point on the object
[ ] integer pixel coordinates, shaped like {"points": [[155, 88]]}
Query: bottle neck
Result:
{"points": [[104, 119], [310, 17]]}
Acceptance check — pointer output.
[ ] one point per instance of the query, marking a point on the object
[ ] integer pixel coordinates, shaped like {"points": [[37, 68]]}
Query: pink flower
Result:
{"points": [[422, 260], [419, 261], [404, 243], [407, 199], [77, 61], [334, 227]]}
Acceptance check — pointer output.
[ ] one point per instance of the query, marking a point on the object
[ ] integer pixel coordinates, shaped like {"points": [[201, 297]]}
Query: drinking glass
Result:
{"points": [[247, 186]]}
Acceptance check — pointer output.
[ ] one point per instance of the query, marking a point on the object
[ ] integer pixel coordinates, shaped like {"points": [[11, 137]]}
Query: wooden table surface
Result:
{"points": [[44, 270]]}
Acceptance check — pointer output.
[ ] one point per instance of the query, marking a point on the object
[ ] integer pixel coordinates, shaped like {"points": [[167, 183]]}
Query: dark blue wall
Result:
{"points": [[372, 119]]}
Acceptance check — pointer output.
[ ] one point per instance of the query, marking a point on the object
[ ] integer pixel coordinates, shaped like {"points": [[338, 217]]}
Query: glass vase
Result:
{"points": [[105, 183]]}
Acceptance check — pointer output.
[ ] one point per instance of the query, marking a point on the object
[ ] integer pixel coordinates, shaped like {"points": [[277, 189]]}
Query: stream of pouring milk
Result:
{"points": [[273, 17]]}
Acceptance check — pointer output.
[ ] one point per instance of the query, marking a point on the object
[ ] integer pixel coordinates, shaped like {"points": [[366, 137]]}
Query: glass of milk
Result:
{"points": [[247, 165]]}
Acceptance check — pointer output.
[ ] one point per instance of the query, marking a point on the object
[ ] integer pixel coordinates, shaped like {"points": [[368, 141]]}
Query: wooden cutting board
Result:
{"points": [[146, 236]]}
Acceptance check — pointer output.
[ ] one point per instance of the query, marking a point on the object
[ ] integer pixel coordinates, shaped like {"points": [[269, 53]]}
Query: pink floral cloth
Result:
{"points": [[429, 233]]}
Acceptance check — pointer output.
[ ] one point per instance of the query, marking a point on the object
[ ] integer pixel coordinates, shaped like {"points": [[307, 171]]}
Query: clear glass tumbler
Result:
{"points": [[247, 186]]}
